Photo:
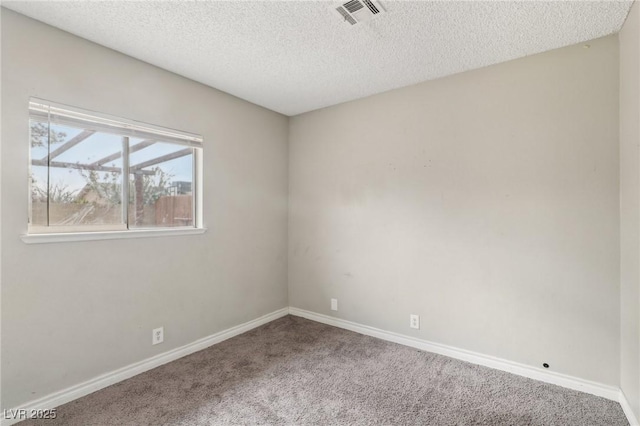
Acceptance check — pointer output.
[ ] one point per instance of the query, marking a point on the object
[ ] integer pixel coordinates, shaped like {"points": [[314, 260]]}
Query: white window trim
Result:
{"points": [[101, 122], [105, 122], [108, 235]]}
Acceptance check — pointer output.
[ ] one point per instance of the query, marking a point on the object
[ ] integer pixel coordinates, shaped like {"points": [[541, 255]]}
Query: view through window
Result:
{"points": [[91, 172]]}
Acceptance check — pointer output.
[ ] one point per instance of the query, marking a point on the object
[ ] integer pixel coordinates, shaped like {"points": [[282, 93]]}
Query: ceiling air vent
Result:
{"points": [[354, 11]]}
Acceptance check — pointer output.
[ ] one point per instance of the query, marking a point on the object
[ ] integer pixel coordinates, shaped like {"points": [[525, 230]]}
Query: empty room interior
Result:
{"points": [[320, 212]]}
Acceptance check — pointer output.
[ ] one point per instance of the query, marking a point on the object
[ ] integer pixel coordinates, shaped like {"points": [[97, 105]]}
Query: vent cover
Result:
{"points": [[354, 11]]}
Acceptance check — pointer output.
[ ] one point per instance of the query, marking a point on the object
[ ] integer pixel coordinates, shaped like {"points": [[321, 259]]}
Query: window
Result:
{"points": [[91, 172]]}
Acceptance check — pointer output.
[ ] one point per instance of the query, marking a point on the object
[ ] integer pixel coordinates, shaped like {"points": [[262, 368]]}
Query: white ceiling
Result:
{"points": [[298, 56]]}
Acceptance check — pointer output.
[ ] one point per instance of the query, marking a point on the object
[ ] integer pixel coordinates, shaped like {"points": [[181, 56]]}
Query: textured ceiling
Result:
{"points": [[298, 56]]}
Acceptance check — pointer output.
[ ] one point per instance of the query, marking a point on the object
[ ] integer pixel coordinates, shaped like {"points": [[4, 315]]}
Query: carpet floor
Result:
{"points": [[294, 371]]}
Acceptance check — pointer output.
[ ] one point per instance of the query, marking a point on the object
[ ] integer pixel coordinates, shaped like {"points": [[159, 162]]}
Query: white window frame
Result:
{"points": [[90, 120]]}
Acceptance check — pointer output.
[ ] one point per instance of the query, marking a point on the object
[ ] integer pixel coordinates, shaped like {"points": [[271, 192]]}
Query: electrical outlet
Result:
{"points": [[414, 321], [334, 304], [157, 336]]}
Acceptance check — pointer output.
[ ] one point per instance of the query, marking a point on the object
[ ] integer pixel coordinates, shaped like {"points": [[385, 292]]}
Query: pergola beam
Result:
{"points": [[78, 166], [70, 144], [115, 156], [99, 166], [161, 159]]}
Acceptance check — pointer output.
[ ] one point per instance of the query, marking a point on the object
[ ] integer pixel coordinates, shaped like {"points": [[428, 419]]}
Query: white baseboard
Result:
{"points": [[594, 388], [626, 407], [74, 392]]}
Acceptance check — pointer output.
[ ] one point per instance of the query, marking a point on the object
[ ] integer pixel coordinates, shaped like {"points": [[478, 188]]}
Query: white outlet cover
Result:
{"points": [[334, 304], [157, 335], [414, 321]]}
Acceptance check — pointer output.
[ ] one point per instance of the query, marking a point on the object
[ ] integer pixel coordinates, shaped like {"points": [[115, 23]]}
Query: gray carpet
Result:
{"points": [[298, 372]]}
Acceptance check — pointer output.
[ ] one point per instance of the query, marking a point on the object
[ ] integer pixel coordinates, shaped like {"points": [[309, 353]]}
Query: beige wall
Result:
{"points": [[72, 311], [486, 202], [630, 208]]}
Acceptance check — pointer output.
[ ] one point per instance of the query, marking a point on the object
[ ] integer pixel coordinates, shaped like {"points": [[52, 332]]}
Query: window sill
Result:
{"points": [[109, 235]]}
